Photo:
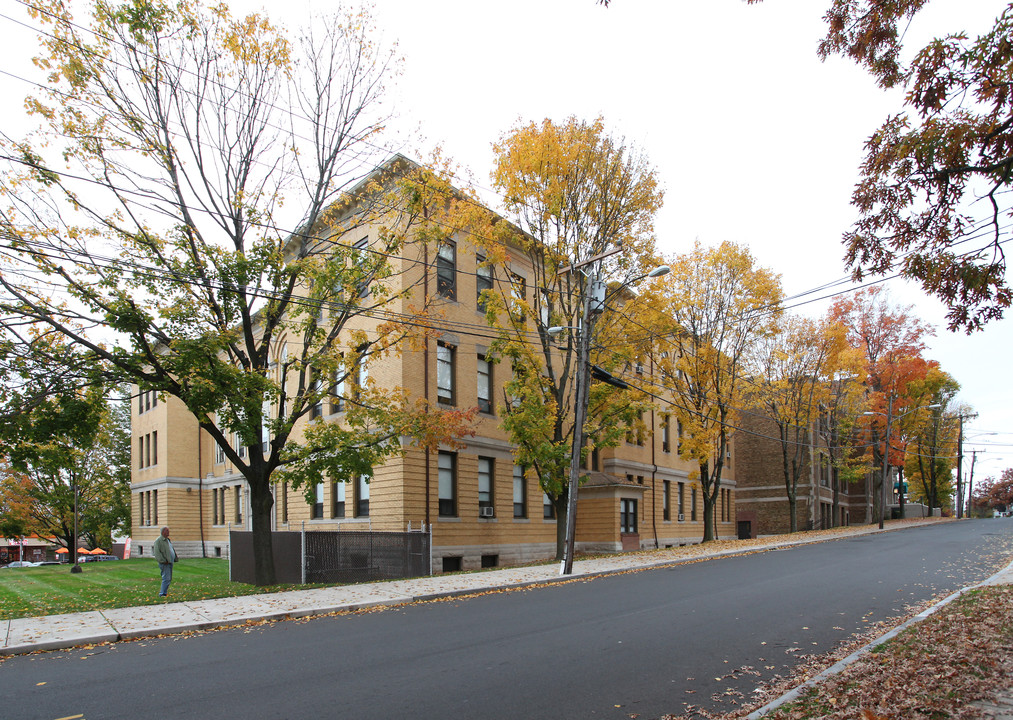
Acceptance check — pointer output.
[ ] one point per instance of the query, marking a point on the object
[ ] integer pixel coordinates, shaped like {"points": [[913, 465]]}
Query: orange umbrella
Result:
{"points": [[62, 551], [98, 551]]}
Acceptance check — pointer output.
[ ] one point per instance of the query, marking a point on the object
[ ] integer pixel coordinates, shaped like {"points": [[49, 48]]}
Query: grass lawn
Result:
{"points": [[53, 589]]}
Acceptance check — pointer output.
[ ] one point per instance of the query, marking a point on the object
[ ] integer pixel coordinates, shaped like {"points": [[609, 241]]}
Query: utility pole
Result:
{"points": [[960, 463], [885, 482], [970, 482], [592, 306]]}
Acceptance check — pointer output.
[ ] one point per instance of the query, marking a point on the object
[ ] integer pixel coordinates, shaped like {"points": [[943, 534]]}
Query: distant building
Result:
{"points": [[822, 500]]}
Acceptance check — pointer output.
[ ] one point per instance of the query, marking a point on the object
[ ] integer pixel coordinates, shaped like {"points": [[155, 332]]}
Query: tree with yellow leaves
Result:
{"points": [[576, 195], [707, 317]]}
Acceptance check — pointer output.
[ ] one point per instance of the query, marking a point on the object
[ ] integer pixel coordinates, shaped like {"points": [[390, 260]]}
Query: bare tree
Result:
{"points": [[201, 210]]}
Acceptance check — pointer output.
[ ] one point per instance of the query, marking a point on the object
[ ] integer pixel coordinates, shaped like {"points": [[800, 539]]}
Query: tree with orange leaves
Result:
{"points": [[892, 340]]}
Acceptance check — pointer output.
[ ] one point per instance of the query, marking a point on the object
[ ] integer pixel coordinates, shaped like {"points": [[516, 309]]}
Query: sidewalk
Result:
{"points": [[24, 635]]}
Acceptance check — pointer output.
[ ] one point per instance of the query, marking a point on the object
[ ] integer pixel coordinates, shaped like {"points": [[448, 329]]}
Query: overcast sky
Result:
{"points": [[755, 140]]}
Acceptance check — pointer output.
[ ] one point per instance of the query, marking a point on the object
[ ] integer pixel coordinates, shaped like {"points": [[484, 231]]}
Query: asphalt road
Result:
{"points": [[638, 644]]}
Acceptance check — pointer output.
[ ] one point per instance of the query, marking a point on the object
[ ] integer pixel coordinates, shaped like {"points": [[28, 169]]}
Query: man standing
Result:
{"points": [[166, 556]]}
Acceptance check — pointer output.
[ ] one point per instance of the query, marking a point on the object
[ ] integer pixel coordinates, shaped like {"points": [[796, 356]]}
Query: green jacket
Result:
{"points": [[163, 551]]}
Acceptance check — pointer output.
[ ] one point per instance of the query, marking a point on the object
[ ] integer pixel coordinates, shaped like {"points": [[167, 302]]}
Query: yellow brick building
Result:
{"points": [[483, 509]]}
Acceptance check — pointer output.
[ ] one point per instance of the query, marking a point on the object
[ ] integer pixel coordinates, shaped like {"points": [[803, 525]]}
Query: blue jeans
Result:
{"points": [[166, 569]]}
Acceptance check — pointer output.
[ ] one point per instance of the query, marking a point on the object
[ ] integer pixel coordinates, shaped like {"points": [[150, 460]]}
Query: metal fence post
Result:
{"points": [[302, 563], [230, 552]]}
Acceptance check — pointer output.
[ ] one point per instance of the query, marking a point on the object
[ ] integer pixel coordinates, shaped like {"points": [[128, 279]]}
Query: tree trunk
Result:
{"points": [[261, 504], [708, 502], [793, 512]]}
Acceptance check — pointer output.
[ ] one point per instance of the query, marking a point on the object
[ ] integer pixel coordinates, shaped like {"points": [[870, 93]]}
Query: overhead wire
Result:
{"points": [[472, 329]]}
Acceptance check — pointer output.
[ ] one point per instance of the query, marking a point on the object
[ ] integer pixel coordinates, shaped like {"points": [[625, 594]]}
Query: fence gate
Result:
{"points": [[362, 556]]}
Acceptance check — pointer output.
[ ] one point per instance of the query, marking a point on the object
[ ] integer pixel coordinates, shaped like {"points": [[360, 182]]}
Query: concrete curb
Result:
{"points": [[1003, 577], [120, 630]]}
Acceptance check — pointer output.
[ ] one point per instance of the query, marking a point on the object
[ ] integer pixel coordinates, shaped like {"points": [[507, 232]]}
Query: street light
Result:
{"points": [[886, 456], [75, 567], [593, 305]]}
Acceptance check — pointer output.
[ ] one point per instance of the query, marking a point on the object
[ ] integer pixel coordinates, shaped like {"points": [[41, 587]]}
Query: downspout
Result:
{"points": [[425, 379], [654, 470], [814, 484], [200, 492]]}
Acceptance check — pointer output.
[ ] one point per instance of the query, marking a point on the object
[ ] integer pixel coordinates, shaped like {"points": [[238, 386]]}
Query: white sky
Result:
{"points": [[755, 140]]}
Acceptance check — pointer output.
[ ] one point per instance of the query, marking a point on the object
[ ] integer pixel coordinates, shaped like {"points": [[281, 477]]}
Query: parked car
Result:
{"points": [[99, 558], [20, 564], [49, 562]]}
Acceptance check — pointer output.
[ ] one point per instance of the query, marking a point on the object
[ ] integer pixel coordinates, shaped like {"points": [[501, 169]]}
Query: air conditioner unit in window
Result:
{"points": [[681, 517], [487, 512]]}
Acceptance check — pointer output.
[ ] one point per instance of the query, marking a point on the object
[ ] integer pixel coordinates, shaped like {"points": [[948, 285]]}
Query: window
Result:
{"points": [[358, 258], [154, 447], [214, 508], [337, 499], [238, 490], [692, 504], [485, 487], [265, 426], [483, 281], [627, 516], [362, 495], [338, 390], [666, 500], [484, 385], [520, 493], [318, 502], [679, 430], [154, 507], [446, 270], [548, 509], [284, 502], [666, 441], [239, 445], [448, 484], [445, 373], [221, 499], [361, 378], [317, 408], [219, 454], [140, 502], [146, 399], [140, 452], [682, 500], [518, 294]]}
